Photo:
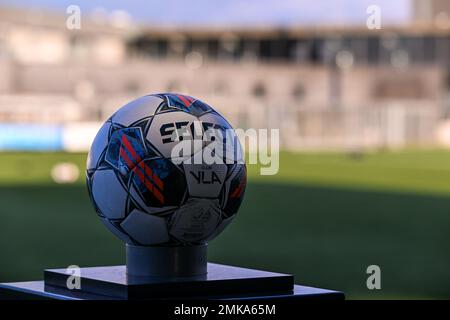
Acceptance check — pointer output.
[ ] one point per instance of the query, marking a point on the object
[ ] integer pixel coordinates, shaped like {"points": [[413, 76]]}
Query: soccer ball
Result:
{"points": [[148, 195]]}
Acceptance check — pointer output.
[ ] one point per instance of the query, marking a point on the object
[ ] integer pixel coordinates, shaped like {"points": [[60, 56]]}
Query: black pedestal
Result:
{"points": [[221, 282]]}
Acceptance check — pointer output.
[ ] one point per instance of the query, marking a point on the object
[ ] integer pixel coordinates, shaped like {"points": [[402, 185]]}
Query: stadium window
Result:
{"points": [[359, 47], [447, 82], [228, 46], [301, 50], [249, 48], [316, 49], [161, 48], [373, 50], [213, 48], [331, 46], [298, 91], [412, 47], [259, 90], [265, 49], [176, 45], [429, 45], [279, 49], [442, 50], [149, 48]]}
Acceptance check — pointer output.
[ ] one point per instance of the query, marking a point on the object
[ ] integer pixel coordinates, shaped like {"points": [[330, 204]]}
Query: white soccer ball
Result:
{"points": [[150, 175]]}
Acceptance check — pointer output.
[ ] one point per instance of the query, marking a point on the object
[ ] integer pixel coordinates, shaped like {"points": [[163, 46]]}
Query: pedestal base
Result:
{"points": [[221, 282], [170, 262]]}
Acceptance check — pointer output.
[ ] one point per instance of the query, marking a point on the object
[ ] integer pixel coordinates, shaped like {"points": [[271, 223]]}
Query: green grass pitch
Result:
{"points": [[325, 217]]}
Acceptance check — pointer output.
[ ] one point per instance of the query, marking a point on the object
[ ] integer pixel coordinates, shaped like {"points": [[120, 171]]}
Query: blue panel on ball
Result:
{"points": [[159, 182], [185, 103], [126, 149]]}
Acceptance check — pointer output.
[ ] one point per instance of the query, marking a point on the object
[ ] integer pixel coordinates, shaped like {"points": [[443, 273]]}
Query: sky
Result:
{"points": [[235, 12]]}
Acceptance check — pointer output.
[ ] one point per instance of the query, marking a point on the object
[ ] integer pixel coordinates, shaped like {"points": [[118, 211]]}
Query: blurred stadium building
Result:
{"points": [[327, 86]]}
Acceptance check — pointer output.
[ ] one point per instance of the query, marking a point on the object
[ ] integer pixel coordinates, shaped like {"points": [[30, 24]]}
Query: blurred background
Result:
{"points": [[363, 113]]}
